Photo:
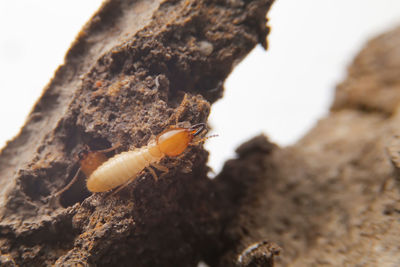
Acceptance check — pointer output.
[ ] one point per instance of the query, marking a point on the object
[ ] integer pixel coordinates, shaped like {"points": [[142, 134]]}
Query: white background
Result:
{"points": [[281, 92]]}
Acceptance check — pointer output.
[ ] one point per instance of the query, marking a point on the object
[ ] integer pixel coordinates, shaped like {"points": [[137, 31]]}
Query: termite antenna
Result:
{"points": [[203, 139], [73, 180]]}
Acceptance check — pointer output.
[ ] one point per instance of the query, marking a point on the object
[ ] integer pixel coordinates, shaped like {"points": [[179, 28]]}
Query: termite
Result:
{"points": [[120, 170]]}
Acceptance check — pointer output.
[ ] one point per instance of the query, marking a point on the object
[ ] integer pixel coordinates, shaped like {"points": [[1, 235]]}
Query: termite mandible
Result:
{"points": [[118, 171]]}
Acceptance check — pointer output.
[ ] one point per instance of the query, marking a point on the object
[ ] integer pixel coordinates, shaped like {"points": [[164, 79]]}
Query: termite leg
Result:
{"points": [[160, 167], [117, 145], [153, 173], [123, 186], [177, 158], [73, 180]]}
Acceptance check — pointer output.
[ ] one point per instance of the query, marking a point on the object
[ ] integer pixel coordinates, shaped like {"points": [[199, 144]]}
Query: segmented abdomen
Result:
{"points": [[120, 169]]}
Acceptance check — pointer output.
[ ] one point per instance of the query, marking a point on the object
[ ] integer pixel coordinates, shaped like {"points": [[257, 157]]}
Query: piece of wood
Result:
{"points": [[333, 198], [123, 78]]}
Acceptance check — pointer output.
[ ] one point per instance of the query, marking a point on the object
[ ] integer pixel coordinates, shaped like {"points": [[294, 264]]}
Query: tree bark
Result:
{"points": [[126, 76]]}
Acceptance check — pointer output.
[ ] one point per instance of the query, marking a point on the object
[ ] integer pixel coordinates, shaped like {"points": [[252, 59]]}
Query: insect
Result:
{"points": [[120, 170]]}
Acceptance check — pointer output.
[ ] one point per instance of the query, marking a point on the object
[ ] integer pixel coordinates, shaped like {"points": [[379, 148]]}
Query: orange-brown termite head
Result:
{"points": [[90, 161], [173, 142]]}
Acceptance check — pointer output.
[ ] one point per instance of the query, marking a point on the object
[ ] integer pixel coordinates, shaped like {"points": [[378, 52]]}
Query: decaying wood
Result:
{"points": [[333, 198], [128, 73]]}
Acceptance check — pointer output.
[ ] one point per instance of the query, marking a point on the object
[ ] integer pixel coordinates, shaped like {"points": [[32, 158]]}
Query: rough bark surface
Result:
{"points": [[333, 198], [128, 73]]}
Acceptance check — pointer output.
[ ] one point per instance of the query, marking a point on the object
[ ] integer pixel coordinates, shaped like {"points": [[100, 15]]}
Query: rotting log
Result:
{"points": [[333, 198], [129, 70]]}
